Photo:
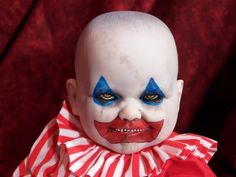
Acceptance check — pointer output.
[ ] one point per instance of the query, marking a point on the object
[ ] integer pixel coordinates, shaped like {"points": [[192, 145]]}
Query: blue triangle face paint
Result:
{"points": [[152, 94], [103, 95]]}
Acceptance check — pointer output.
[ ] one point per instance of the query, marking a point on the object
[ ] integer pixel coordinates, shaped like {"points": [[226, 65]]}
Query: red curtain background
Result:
{"points": [[37, 43]]}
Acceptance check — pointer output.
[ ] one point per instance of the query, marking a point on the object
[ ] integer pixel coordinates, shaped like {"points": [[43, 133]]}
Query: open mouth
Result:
{"points": [[125, 131]]}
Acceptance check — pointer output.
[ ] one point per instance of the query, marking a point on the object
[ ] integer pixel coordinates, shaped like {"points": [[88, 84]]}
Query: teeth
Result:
{"points": [[129, 130]]}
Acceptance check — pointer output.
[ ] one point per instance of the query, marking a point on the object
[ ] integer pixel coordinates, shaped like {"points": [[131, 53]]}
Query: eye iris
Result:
{"points": [[107, 96], [153, 97]]}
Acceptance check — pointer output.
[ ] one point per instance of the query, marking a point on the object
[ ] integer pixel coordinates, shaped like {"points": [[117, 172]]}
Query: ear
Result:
{"points": [[71, 88], [180, 85]]}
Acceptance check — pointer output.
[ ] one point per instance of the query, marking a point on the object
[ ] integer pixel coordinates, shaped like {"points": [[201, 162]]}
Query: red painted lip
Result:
{"points": [[125, 131]]}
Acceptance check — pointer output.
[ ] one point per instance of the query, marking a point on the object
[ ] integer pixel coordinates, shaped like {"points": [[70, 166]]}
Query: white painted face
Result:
{"points": [[126, 91]]}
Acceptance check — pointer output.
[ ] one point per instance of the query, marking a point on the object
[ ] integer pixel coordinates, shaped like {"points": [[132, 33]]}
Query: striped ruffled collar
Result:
{"points": [[86, 158]]}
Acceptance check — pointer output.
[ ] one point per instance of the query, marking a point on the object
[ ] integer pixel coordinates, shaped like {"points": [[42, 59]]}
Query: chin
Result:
{"points": [[124, 148], [128, 148]]}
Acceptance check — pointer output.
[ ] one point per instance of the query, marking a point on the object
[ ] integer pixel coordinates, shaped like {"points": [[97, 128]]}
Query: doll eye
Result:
{"points": [[152, 95], [103, 95], [152, 99], [106, 97]]}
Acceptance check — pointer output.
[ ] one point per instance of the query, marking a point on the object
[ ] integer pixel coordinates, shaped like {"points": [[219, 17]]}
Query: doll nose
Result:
{"points": [[130, 110]]}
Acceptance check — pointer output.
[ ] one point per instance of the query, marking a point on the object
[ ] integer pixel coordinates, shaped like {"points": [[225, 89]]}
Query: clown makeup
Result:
{"points": [[126, 91], [103, 94], [152, 94], [123, 130]]}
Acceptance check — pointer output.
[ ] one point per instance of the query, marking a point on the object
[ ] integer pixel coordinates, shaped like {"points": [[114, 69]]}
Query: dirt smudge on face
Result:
{"points": [[124, 60]]}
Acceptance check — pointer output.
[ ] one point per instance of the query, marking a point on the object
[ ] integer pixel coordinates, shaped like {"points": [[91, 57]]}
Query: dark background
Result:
{"points": [[37, 43]]}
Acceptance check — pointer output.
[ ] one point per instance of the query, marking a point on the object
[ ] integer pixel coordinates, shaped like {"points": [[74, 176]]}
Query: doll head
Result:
{"points": [[126, 91]]}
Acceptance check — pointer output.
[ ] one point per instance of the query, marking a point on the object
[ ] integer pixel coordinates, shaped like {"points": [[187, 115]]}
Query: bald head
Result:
{"points": [[128, 37]]}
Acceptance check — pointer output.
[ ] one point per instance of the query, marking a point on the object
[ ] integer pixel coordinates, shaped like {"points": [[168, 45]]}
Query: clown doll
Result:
{"points": [[121, 109]]}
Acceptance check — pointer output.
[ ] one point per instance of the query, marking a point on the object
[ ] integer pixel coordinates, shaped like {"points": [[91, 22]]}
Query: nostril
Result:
{"points": [[133, 120]]}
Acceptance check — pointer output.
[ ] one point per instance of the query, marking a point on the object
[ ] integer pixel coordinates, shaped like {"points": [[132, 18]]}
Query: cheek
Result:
{"points": [[168, 111], [91, 111], [153, 113], [171, 110]]}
